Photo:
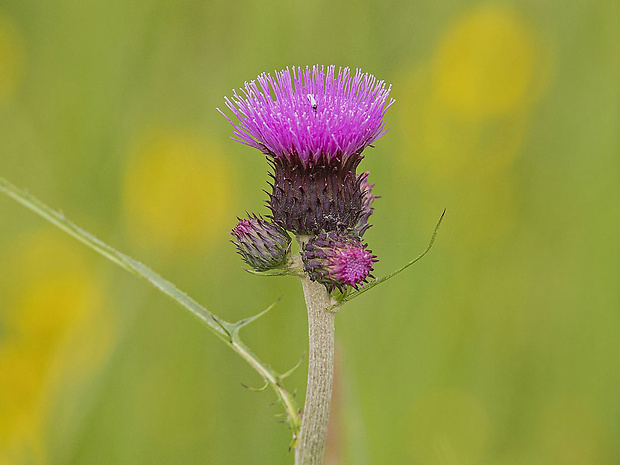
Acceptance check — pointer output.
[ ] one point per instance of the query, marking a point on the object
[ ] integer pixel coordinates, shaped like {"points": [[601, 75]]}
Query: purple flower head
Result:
{"points": [[310, 113], [337, 260], [313, 125], [262, 245]]}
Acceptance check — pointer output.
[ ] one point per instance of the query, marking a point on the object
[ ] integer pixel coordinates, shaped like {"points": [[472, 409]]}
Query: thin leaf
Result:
{"points": [[223, 329]]}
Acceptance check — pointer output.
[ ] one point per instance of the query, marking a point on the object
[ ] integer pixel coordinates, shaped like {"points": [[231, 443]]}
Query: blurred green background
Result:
{"points": [[501, 347]]}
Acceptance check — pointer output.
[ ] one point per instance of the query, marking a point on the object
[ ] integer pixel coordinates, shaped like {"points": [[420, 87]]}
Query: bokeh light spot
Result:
{"points": [[54, 299], [177, 192], [448, 146], [485, 63]]}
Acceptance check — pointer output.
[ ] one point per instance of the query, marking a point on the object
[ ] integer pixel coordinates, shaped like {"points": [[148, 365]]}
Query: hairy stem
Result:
{"points": [[311, 445]]}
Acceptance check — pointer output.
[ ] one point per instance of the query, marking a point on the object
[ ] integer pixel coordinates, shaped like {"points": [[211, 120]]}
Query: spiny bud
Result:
{"points": [[337, 260], [262, 245]]}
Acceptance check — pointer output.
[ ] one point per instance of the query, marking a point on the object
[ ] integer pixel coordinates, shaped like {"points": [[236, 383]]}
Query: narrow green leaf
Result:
{"points": [[220, 327], [124, 261]]}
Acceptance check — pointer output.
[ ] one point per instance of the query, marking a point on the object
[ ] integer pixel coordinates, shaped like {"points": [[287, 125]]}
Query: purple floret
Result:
{"points": [[310, 113], [352, 265], [337, 260]]}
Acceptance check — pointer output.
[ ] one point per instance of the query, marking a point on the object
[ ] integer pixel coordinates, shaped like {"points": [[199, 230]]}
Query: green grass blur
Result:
{"points": [[501, 347]]}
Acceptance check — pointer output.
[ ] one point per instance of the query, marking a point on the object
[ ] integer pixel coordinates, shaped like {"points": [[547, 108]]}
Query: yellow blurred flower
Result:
{"points": [[55, 302], [11, 56], [465, 116], [485, 63], [178, 191], [466, 112]]}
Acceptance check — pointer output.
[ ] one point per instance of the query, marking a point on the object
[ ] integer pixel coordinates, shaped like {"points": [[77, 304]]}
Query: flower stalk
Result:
{"points": [[311, 446]]}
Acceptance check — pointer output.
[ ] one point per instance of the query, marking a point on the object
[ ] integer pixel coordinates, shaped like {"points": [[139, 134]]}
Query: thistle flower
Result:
{"points": [[262, 245], [313, 130], [337, 260]]}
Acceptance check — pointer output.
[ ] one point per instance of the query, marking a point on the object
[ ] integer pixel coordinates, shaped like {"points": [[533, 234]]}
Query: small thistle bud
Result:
{"points": [[262, 245], [337, 260]]}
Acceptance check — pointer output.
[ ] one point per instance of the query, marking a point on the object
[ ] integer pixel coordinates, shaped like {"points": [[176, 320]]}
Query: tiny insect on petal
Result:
{"points": [[312, 101]]}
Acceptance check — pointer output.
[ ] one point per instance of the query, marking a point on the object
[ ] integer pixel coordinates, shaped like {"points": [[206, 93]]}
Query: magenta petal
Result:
{"points": [[310, 112]]}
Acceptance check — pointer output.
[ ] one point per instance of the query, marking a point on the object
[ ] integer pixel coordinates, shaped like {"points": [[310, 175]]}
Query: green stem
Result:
{"points": [[311, 447]]}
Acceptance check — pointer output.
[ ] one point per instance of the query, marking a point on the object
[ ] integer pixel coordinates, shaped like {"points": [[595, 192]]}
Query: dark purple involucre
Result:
{"points": [[262, 245], [337, 260]]}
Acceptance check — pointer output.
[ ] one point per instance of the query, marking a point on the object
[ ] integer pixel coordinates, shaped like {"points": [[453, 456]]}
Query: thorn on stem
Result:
{"points": [[256, 389]]}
